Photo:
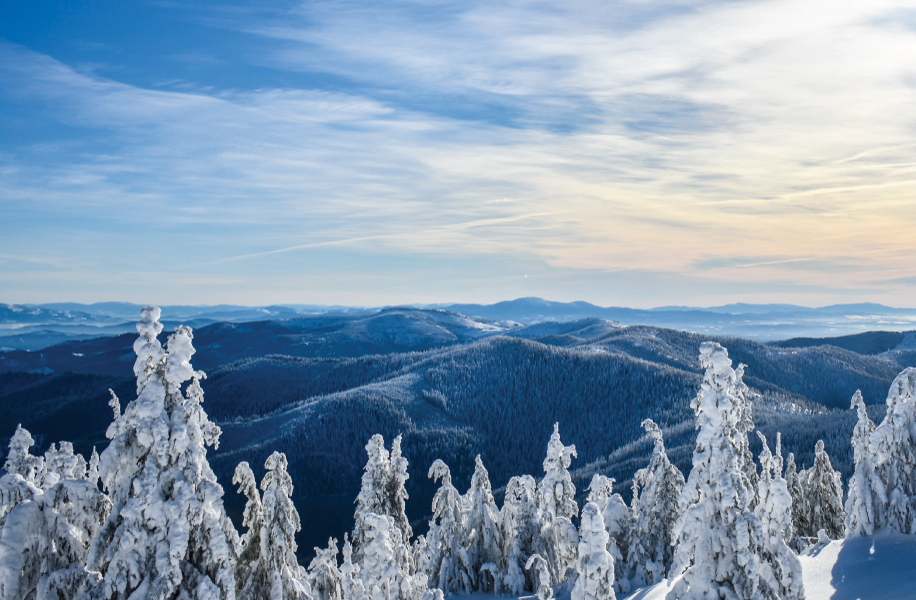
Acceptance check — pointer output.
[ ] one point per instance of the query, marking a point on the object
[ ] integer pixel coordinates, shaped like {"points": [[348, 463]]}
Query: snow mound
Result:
{"points": [[880, 567]]}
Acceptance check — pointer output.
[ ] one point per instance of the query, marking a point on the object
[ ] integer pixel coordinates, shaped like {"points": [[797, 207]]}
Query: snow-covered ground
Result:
{"points": [[882, 567]]}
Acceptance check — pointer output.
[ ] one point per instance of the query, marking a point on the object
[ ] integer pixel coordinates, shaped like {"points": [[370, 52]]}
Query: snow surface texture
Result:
{"points": [[858, 568]]}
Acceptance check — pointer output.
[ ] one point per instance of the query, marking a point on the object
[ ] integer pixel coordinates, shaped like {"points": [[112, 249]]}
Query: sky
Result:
{"points": [[627, 153]]}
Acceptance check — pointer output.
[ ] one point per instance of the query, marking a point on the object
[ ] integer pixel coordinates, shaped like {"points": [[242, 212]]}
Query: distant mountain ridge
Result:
{"points": [[35, 327]]}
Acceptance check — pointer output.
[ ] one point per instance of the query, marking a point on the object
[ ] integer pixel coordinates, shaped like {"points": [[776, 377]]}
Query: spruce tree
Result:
{"points": [[24, 473], [866, 499], [779, 574], [44, 542], [380, 571], [715, 532], [351, 586], [799, 511], [449, 567], [166, 536], [894, 446], [557, 502], [656, 489], [373, 495], [539, 565], [520, 533], [20, 461], [482, 523], [397, 502], [324, 574], [618, 522], [823, 490], [270, 569], [595, 565]]}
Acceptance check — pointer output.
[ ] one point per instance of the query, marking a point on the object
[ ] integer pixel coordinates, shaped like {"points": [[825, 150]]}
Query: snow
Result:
{"points": [[880, 567]]}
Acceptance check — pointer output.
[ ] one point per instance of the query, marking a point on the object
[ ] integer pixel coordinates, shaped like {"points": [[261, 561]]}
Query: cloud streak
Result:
{"points": [[586, 139]]}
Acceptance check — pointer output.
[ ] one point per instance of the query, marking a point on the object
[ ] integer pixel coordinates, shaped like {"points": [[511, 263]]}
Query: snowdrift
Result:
{"points": [[881, 567]]}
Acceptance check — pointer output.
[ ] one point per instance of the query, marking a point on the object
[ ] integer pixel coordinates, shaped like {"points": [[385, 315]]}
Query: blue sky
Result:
{"points": [[625, 153]]}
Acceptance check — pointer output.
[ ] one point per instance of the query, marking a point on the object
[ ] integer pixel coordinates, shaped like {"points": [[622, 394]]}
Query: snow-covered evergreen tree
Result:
{"points": [[373, 494], [20, 461], [449, 567], [556, 492], [383, 492], [893, 443], [520, 534], [249, 551], [618, 522], [557, 502], [656, 489], [44, 542], [24, 473], [270, 570], [324, 574], [92, 470], [351, 586], [779, 571], [482, 525], [867, 499], [62, 464], [716, 531], [380, 571], [823, 491], [397, 492], [379, 568], [166, 536], [799, 513], [538, 563], [595, 565]]}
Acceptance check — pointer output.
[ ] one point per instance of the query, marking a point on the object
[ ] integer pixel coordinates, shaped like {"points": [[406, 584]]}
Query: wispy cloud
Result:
{"points": [[588, 138]]}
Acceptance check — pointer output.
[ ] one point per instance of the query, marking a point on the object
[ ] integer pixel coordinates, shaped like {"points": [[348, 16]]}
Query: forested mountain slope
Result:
{"points": [[318, 388]]}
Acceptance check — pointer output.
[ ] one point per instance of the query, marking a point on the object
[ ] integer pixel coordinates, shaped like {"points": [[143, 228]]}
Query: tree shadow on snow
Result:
{"points": [[883, 566]]}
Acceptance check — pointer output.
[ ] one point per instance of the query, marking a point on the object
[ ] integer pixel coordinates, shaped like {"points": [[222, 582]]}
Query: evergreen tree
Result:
{"points": [[823, 490], [595, 565], [20, 461], [540, 565], [44, 542], [656, 489], [397, 492], [397, 509], [373, 495], [351, 586], [520, 533], [449, 567], [482, 525], [557, 502], [324, 574], [866, 497], [799, 512], [381, 574], [92, 471], [618, 522], [273, 571], [250, 542], [24, 473], [166, 536], [62, 464], [894, 446], [715, 532], [779, 573]]}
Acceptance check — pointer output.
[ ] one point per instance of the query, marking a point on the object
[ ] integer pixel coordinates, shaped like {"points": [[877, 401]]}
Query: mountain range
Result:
{"points": [[35, 327], [453, 385]]}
